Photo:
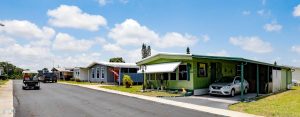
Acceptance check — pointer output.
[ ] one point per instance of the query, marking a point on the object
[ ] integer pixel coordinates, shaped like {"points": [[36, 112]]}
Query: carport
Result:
{"points": [[261, 76]]}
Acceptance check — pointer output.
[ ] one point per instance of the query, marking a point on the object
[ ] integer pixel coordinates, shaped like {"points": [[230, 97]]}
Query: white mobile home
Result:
{"points": [[80, 73]]}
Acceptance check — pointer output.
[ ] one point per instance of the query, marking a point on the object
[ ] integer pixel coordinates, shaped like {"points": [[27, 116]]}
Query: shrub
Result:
{"points": [[127, 81], [77, 80]]}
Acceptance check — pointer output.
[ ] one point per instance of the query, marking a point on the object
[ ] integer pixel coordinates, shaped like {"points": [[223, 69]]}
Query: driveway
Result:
{"points": [[59, 100], [221, 102]]}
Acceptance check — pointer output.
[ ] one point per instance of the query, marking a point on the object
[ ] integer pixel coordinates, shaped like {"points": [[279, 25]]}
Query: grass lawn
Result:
{"points": [[137, 90], [74, 82], [286, 104], [2, 82]]}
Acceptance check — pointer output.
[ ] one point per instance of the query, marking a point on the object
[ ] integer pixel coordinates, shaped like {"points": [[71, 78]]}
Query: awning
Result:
{"points": [[161, 68]]}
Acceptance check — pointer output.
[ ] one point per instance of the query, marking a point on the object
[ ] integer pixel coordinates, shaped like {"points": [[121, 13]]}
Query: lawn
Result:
{"points": [[82, 83], [2, 82], [137, 90], [286, 104]]}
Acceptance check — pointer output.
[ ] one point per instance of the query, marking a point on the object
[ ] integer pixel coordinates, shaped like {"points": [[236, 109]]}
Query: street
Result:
{"points": [[60, 100]]}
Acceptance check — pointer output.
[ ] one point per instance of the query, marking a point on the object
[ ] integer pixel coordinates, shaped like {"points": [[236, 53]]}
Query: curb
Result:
{"points": [[6, 100], [211, 110]]}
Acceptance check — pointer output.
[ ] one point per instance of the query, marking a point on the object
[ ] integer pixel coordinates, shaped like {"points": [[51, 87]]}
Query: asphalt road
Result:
{"points": [[60, 100]]}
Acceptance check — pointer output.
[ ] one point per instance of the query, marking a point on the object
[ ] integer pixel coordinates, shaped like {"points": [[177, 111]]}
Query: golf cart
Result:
{"points": [[30, 80]]}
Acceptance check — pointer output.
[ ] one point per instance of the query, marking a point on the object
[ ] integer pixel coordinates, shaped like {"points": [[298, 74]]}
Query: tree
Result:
{"points": [[146, 51], [10, 70], [187, 50], [117, 60]]}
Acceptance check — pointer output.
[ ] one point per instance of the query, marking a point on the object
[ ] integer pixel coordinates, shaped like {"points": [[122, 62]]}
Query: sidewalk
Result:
{"points": [[171, 102], [6, 100]]}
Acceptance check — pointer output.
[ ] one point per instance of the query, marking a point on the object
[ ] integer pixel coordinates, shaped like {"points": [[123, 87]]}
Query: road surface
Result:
{"points": [[60, 100]]}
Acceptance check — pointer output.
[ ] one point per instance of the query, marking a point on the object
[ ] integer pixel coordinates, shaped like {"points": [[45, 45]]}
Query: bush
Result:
{"points": [[77, 80], [127, 81]]}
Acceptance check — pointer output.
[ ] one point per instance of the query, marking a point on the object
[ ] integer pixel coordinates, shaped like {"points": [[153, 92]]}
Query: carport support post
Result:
{"points": [[242, 82], [257, 80], [268, 78], [119, 76]]}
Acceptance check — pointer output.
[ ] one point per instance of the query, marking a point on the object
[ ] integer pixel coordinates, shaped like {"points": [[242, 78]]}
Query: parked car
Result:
{"points": [[228, 86], [46, 77], [30, 80]]}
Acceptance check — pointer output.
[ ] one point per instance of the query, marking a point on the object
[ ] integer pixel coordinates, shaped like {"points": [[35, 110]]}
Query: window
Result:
{"points": [[93, 73], [182, 72], [132, 70], [152, 77], [102, 72], [165, 76], [202, 69], [124, 70], [98, 72], [173, 76]]}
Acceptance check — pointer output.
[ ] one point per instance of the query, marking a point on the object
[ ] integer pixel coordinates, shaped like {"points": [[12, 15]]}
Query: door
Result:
{"points": [[213, 72]]}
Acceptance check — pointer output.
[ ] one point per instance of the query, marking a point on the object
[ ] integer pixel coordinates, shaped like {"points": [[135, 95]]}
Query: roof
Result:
{"points": [[113, 64], [62, 69], [170, 55], [30, 71], [160, 68], [238, 59]]}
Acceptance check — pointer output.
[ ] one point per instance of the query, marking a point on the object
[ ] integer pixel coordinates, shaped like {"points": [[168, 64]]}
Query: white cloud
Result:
{"points": [[113, 48], [73, 17], [252, 44], [271, 27], [205, 38], [6, 41], [246, 12], [66, 42], [264, 13], [296, 49], [219, 53], [79, 60], [25, 29], [130, 32], [296, 12], [103, 2], [174, 39]]}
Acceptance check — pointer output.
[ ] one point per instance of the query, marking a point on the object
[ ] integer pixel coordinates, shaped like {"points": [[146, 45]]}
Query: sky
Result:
{"points": [[75, 33]]}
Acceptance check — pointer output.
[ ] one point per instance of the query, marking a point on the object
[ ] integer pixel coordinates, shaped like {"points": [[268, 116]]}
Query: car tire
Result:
{"points": [[246, 90], [232, 93]]}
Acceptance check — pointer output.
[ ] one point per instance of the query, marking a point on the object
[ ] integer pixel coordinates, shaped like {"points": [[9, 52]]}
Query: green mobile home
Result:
{"points": [[196, 72]]}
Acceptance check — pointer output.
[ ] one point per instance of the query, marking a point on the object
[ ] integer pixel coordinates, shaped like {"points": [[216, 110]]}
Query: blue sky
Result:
{"points": [[43, 33]]}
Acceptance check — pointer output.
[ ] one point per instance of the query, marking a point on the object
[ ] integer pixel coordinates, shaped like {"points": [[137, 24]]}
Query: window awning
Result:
{"points": [[161, 68]]}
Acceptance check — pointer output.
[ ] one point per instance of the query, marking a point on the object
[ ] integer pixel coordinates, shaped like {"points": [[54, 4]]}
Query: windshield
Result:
{"points": [[226, 79]]}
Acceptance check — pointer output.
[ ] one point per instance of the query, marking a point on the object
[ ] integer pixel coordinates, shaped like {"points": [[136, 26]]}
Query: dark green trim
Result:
{"points": [[242, 81], [238, 59], [257, 80], [268, 79]]}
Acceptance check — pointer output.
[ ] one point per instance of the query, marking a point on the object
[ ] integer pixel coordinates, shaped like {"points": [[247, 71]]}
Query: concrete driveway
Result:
{"points": [[60, 100], [221, 102]]}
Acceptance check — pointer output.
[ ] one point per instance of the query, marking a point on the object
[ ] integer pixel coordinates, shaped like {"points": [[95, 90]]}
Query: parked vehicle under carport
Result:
{"points": [[46, 77], [228, 86], [30, 80]]}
